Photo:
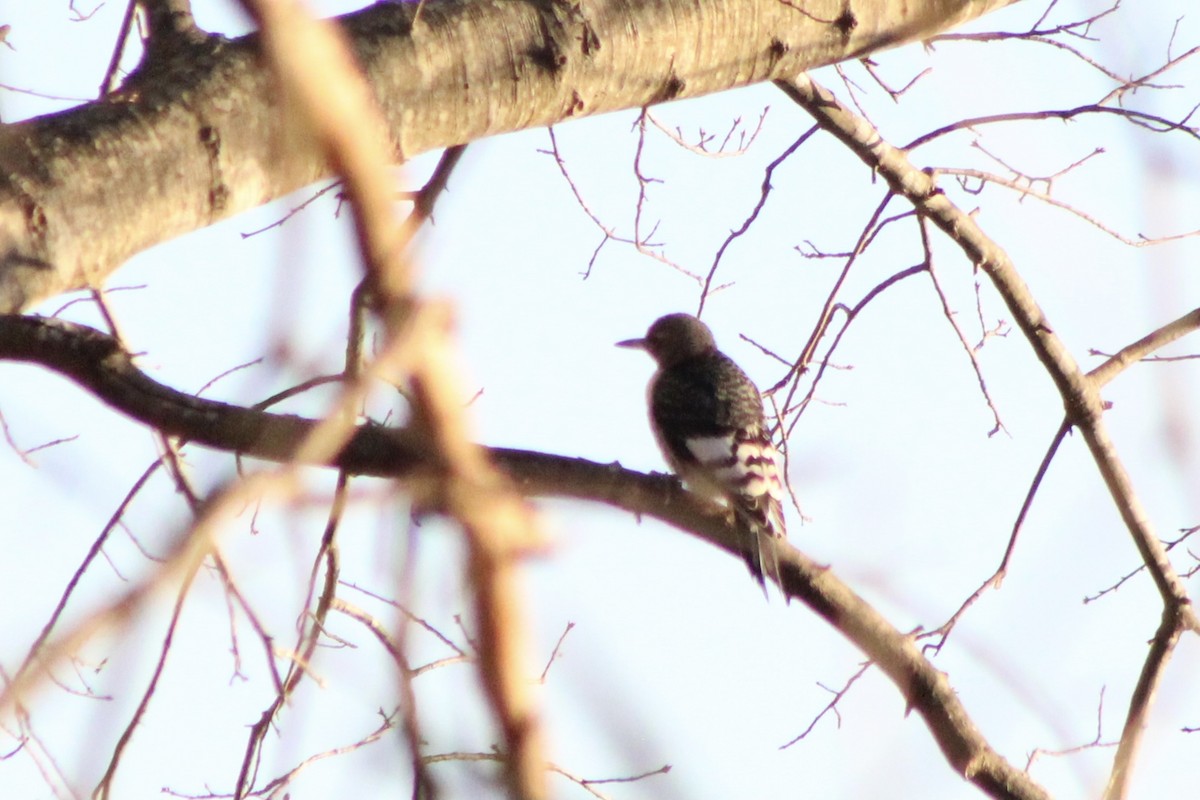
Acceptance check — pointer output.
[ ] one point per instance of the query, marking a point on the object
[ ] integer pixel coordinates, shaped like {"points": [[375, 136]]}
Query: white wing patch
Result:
{"points": [[737, 465], [742, 469]]}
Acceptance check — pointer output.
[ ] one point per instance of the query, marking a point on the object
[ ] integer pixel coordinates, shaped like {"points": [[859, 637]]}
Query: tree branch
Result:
{"points": [[1080, 392], [94, 361], [198, 132], [1131, 354]]}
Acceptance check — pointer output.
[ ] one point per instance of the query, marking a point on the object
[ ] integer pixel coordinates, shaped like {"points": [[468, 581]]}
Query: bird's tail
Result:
{"points": [[761, 552]]}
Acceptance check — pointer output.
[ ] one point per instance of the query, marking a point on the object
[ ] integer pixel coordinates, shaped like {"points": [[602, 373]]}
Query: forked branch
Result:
{"points": [[1080, 392]]}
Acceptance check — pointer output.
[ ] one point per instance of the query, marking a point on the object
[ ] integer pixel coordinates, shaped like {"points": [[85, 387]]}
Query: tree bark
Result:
{"points": [[199, 133]]}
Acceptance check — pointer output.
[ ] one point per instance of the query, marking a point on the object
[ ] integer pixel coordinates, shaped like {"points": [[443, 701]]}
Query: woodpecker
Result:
{"points": [[708, 419]]}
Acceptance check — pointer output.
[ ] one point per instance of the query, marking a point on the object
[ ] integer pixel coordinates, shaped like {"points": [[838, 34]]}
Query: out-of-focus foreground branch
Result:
{"points": [[333, 104]]}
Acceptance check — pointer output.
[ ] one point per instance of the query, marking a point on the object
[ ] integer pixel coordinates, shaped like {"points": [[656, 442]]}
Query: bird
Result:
{"points": [[707, 417]]}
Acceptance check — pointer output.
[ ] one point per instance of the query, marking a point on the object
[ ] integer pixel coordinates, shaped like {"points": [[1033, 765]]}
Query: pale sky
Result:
{"points": [[674, 657]]}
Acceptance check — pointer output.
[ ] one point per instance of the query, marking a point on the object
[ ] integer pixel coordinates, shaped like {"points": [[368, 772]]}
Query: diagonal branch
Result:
{"points": [[1144, 694], [1080, 392], [1131, 354]]}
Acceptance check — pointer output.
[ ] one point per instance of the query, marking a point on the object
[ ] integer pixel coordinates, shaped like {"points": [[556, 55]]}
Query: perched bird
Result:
{"points": [[707, 416]]}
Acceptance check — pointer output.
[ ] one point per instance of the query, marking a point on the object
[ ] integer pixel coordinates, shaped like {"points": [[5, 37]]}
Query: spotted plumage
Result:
{"points": [[707, 416]]}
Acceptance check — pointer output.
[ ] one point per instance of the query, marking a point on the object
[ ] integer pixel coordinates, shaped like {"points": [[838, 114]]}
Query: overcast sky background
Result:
{"points": [[674, 657]]}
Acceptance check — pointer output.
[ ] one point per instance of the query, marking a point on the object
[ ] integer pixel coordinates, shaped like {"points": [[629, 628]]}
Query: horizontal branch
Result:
{"points": [[200, 131], [97, 363]]}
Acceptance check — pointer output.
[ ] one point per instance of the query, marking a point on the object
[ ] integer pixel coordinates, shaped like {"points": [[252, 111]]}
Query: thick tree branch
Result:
{"points": [[198, 132], [95, 361]]}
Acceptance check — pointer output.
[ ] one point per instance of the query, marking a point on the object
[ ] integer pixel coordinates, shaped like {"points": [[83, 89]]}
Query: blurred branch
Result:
{"points": [[334, 104], [317, 444], [324, 89]]}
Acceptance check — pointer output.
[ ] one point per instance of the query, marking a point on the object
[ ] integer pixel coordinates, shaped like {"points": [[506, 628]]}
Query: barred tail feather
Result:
{"points": [[768, 560], [764, 524]]}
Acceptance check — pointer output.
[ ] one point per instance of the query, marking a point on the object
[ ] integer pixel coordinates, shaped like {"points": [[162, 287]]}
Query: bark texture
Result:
{"points": [[199, 132]]}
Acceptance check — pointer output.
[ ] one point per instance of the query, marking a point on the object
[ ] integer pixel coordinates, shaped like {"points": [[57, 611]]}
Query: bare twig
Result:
{"points": [[997, 577], [1025, 190], [109, 84], [1169, 545], [831, 706], [704, 139], [1172, 626], [273, 787], [1142, 119], [753, 215], [1094, 743], [95, 550], [104, 787], [851, 313], [294, 210], [443, 638], [424, 783], [610, 233], [998, 425], [554, 652]]}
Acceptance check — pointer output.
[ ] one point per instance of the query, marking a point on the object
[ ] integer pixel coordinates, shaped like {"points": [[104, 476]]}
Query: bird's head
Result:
{"points": [[673, 338]]}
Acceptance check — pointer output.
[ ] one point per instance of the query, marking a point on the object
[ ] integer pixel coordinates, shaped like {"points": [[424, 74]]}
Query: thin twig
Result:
{"points": [[752, 216], [993, 582], [831, 706]]}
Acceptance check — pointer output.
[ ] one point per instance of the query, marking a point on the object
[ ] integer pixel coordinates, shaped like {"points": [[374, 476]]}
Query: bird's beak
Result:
{"points": [[637, 344]]}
